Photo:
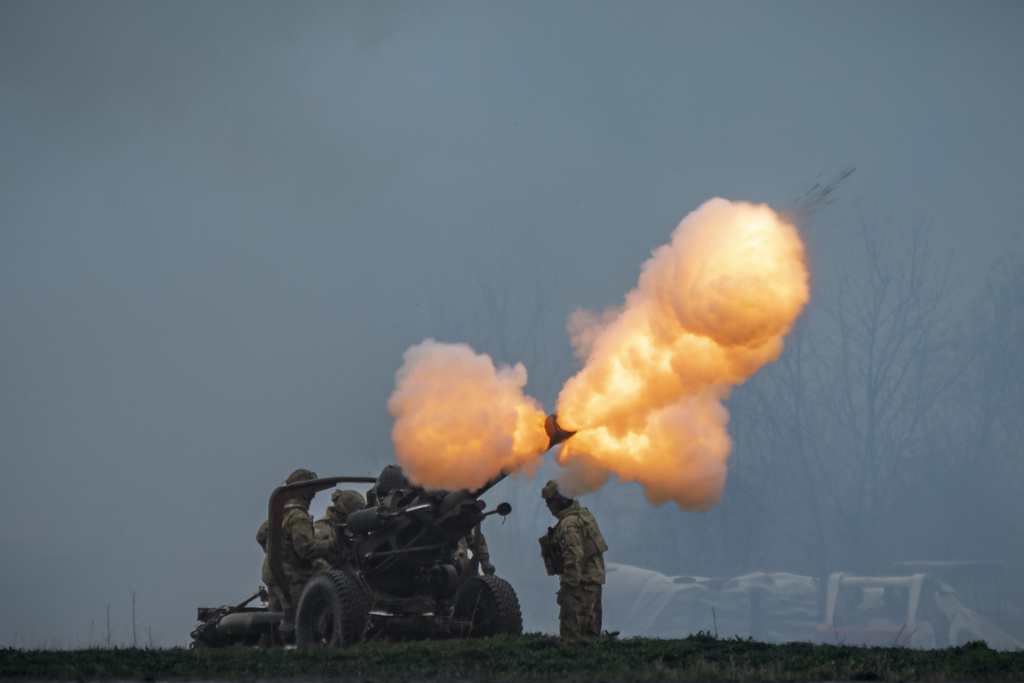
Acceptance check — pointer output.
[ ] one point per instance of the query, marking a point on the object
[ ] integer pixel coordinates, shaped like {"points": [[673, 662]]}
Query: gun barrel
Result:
{"points": [[490, 484], [556, 434]]}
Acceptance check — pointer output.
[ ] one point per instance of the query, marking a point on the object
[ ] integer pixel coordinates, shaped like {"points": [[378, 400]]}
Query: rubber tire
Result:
{"points": [[332, 611], [490, 605]]}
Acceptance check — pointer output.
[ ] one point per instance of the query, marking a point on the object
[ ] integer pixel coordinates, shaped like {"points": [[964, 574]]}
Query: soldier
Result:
{"points": [[299, 549], [574, 549], [477, 544], [390, 489], [329, 527]]}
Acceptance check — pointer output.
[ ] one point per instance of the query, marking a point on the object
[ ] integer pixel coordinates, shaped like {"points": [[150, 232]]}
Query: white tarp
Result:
{"points": [[777, 607], [770, 607]]}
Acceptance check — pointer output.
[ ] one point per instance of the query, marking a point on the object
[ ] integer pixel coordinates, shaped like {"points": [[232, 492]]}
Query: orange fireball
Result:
{"points": [[459, 420], [710, 308]]}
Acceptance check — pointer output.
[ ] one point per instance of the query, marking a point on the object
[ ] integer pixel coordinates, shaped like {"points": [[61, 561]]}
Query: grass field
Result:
{"points": [[531, 657]]}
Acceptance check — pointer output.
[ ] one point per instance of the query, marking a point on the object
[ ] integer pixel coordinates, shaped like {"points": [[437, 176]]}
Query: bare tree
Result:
{"points": [[978, 438], [513, 323], [888, 369], [777, 472], [830, 439]]}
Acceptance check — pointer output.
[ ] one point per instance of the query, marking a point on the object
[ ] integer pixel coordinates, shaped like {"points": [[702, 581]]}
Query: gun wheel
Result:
{"points": [[486, 606], [332, 611]]}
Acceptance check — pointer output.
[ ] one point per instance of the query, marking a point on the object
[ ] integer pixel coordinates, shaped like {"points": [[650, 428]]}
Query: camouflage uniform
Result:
{"points": [[574, 549], [329, 527], [299, 549], [462, 558]]}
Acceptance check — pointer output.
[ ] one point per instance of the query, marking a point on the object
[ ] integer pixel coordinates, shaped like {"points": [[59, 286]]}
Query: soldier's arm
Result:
{"points": [[306, 543], [483, 553], [571, 542], [322, 528], [261, 535]]}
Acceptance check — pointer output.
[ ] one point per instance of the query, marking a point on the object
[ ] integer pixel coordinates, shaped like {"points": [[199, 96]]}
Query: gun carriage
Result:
{"points": [[401, 578]]}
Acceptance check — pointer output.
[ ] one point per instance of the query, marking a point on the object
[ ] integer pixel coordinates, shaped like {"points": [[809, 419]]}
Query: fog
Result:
{"points": [[222, 224]]}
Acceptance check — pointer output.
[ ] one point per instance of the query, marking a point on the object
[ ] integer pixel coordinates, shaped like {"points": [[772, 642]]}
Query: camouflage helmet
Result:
{"points": [[300, 475], [347, 502], [551, 492]]}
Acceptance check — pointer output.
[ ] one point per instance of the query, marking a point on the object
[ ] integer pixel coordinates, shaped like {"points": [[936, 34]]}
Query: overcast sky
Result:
{"points": [[221, 224]]}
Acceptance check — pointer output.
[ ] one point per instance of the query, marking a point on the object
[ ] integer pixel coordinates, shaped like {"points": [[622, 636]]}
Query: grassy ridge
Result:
{"points": [[531, 657]]}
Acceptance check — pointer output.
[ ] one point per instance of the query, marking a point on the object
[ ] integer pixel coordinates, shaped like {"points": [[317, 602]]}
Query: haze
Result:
{"points": [[222, 224]]}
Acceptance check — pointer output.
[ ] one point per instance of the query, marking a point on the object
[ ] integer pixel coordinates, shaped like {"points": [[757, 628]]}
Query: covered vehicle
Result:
{"points": [[767, 606], [918, 611]]}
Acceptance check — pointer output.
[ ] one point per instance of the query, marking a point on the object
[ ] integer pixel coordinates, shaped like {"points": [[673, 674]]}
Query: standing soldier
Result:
{"points": [[299, 549], [476, 544], [574, 549], [329, 527]]}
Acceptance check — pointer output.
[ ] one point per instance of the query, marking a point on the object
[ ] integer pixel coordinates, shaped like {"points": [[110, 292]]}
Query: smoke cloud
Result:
{"points": [[710, 308], [459, 420]]}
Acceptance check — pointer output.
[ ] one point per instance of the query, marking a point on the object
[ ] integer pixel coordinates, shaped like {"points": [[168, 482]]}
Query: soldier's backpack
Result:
{"points": [[593, 543], [551, 554]]}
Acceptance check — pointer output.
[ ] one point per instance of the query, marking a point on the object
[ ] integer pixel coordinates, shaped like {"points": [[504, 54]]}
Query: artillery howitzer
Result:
{"points": [[401, 577]]}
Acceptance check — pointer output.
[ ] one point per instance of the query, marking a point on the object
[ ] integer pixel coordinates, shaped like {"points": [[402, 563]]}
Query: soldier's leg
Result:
{"points": [[592, 610], [585, 593], [570, 613], [287, 628], [273, 605]]}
